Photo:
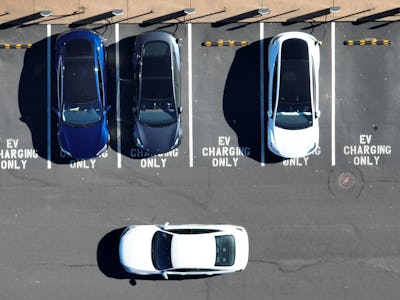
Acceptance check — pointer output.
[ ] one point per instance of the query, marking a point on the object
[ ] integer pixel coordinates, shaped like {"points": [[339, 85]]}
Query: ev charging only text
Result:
{"points": [[300, 162], [156, 161], [225, 155], [366, 153], [15, 158]]}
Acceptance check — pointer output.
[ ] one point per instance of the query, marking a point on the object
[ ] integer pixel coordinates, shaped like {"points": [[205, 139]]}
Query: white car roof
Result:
{"points": [[193, 251]]}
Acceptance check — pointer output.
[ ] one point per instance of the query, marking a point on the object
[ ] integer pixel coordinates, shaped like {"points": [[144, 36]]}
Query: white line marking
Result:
{"points": [[333, 95], [48, 96], [118, 96], [262, 94], [190, 96]]}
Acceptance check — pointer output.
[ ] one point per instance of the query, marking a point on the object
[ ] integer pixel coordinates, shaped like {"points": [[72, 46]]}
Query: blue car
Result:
{"points": [[81, 91]]}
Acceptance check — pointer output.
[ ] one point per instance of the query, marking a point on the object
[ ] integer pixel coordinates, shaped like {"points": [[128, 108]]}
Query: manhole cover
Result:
{"points": [[346, 180]]}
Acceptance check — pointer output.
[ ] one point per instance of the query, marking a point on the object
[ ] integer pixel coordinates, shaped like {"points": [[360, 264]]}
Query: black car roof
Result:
{"points": [[78, 47], [79, 74], [294, 49], [156, 70], [295, 75]]}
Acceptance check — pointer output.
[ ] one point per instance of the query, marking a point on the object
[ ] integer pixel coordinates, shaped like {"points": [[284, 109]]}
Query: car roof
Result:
{"points": [[78, 47], [79, 71], [295, 73], [193, 251]]}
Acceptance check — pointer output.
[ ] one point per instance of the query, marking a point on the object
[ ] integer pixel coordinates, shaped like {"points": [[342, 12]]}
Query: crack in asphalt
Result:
{"points": [[389, 265], [291, 266]]}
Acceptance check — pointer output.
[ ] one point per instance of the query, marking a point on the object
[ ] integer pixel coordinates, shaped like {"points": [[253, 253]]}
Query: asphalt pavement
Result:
{"points": [[322, 227]]}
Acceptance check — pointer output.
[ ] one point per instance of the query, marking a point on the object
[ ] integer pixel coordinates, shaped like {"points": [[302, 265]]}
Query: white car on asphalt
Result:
{"points": [[183, 249], [293, 94]]}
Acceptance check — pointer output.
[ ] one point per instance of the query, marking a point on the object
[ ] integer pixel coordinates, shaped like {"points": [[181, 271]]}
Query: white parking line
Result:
{"points": [[262, 94], [117, 96], [48, 96], [190, 96], [333, 95]]}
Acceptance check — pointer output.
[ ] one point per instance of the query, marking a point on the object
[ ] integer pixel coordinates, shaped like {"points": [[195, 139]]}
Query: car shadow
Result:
{"points": [[126, 47], [109, 265], [32, 99], [241, 100]]}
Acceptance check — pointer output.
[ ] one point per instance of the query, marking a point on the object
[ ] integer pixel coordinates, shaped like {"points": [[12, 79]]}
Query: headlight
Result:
{"points": [[272, 148], [65, 152], [127, 229], [177, 142], [313, 148], [102, 150], [137, 140], [139, 143]]}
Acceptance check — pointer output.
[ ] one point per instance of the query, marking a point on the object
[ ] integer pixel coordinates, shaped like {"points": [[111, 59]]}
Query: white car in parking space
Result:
{"points": [[183, 249], [293, 94]]}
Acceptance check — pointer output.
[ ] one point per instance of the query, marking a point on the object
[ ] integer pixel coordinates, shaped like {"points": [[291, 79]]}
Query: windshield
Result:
{"points": [[161, 250], [225, 245], [157, 105], [159, 112], [294, 109], [82, 114]]}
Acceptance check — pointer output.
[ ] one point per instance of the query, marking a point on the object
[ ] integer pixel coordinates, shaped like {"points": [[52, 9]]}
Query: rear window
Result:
{"points": [[156, 60], [225, 246], [79, 47]]}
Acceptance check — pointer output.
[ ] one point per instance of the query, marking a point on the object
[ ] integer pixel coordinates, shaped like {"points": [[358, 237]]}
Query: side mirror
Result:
{"points": [[180, 109], [269, 114], [108, 108], [134, 110], [317, 114], [165, 225], [165, 275]]}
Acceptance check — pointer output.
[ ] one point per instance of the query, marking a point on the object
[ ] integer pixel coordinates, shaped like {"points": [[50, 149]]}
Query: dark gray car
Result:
{"points": [[157, 95]]}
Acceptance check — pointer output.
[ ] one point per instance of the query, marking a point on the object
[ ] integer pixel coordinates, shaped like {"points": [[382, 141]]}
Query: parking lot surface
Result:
{"points": [[320, 227]]}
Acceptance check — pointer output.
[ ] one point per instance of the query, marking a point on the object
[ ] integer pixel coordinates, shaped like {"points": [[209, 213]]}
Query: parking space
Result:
{"points": [[23, 100], [222, 120], [315, 223], [368, 102], [226, 96]]}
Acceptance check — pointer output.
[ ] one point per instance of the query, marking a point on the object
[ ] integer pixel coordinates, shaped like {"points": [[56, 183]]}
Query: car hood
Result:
{"points": [[83, 142], [158, 139], [135, 249], [295, 143]]}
